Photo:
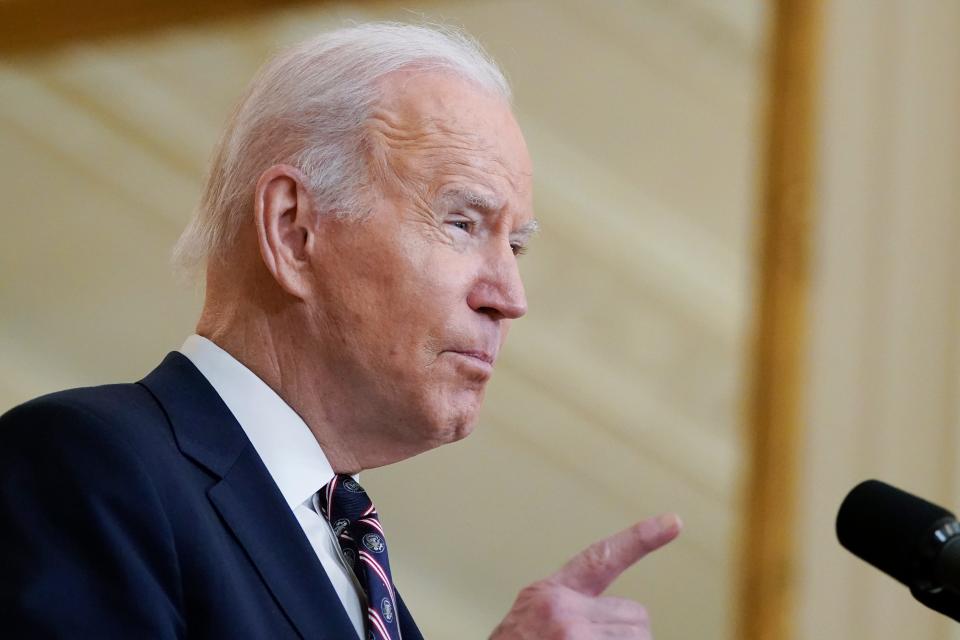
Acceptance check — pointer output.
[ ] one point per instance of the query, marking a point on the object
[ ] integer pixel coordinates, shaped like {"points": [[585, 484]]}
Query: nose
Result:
{"points": [[498, 292]]}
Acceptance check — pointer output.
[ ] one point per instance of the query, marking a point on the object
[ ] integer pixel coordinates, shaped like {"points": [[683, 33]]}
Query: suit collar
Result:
{"points": [[203, 426], [248, 500]]}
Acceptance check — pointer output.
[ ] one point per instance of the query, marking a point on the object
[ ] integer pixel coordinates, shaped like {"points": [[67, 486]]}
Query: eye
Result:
{"points": [[462, 224], [518, 249]]}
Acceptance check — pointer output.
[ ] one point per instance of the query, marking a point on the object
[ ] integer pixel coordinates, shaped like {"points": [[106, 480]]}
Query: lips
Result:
{"points": [[482, 356]]}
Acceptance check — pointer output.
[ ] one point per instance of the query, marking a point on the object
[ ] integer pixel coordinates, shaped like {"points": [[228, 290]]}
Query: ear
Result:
{"points": [[286, 227]]}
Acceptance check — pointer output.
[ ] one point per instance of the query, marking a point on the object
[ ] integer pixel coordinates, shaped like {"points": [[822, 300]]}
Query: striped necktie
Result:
{"points": [[353, 518]]}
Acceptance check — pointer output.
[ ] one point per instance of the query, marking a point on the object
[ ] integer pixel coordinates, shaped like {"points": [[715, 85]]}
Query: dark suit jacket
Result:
{"points": [[143, 511]]}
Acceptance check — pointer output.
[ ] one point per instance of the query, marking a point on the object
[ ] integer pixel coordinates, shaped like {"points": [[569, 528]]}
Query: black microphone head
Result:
{"points": [[891, 529]]}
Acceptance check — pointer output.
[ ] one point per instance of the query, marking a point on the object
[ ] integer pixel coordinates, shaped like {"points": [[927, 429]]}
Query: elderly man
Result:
{"points": [[360, 230]]}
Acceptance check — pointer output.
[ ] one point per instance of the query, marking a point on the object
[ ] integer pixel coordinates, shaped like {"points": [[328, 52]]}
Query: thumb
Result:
{"points": [[592, 570]]}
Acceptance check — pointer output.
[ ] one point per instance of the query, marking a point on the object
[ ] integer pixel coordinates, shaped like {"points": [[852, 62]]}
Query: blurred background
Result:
{"points": [[744, 299]]}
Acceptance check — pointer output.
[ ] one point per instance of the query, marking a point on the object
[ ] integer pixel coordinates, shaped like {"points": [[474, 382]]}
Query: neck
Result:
{"points": [[267, 336]]}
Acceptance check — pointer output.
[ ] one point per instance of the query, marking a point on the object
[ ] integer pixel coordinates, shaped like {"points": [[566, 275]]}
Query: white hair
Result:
{"points": [[307, 107]]}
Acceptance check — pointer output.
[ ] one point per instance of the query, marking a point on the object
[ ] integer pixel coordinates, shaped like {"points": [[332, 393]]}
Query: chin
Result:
{"points": [[462, 429], [453, 427], [450, 419], [449, 430]]}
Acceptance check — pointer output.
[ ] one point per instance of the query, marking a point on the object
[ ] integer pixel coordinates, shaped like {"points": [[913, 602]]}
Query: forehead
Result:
{"points": [[440, 129]]}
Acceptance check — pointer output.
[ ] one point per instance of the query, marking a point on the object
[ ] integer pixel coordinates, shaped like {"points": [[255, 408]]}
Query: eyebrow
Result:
{"points": [[528, 230], [483, 201], [487, 203]]}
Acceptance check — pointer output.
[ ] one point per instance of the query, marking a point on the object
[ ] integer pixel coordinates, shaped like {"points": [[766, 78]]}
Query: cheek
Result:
{"points": [[435, 286], [407, 310], [372, 282]]}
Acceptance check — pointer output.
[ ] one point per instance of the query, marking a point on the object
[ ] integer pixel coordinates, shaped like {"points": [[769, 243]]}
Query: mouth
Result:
{"points": [[482, 356], [477, 363]]}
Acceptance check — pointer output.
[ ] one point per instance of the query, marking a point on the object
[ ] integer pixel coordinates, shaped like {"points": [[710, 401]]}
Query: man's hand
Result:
{"points": [[569, 603]]}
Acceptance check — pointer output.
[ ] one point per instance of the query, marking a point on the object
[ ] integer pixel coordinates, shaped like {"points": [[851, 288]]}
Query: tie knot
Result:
{"points": [[343, 501], [358, 532]]}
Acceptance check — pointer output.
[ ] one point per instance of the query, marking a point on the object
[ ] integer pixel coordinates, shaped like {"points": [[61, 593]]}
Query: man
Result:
{"points": [[360, 231]]}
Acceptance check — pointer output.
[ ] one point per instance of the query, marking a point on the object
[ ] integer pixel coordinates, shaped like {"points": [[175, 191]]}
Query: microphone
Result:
{"points": [[913, 541]]}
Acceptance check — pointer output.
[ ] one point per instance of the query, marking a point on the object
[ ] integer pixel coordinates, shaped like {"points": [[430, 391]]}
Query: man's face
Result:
{"points": [[416, 300]]}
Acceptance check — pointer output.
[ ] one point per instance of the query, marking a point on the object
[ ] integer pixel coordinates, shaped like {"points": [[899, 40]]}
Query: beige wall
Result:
{"points": [[885, 361], [617, 398]]}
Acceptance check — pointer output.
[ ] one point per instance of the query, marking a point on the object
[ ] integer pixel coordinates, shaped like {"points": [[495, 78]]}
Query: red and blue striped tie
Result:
{"points": [[355, 524]]}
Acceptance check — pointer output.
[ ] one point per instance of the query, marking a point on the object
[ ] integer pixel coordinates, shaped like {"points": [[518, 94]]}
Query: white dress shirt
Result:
{"points": [[289, 451]]}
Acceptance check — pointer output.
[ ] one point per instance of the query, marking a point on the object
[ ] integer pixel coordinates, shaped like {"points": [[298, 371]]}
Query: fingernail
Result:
{"points": [[670, 522]]}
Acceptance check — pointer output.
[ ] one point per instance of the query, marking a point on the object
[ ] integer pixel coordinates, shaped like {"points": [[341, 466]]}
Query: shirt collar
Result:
{"points": [[286, 445]]}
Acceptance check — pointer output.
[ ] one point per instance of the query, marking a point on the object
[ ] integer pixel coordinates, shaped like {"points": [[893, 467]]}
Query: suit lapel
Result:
{"points": [[271, 536], [248, 500]]}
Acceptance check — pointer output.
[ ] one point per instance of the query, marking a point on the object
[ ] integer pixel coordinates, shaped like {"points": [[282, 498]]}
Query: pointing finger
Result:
{"points": [[592, 570]]}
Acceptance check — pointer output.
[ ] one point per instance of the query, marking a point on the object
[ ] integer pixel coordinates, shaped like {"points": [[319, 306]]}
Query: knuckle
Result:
{"points": [[529, 592], [538, 598], [550, 604], [597, 556], [547, 609]]}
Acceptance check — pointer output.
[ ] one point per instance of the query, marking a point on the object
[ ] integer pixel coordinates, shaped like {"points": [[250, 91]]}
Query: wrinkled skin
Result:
{"points": [[426, 287], [382, 332]]}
